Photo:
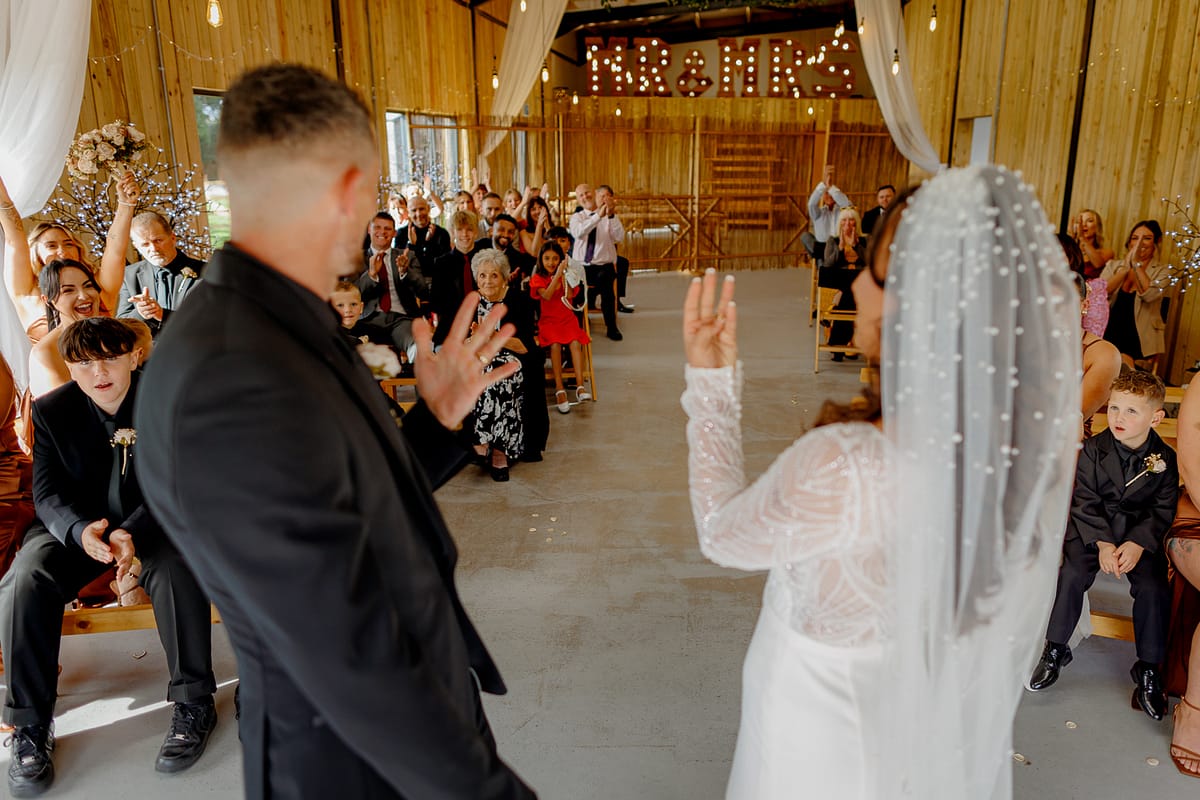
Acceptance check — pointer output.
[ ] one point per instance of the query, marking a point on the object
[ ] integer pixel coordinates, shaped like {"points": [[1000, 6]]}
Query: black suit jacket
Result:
{"points": [[431, 243], [1103, 509], [168, 286], [72, 462], [304, 504], [870, 218], [448, 289], [411, 289]]}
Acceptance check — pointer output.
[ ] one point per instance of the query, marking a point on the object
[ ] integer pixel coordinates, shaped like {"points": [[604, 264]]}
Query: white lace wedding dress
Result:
{"points": [[815, 519]]}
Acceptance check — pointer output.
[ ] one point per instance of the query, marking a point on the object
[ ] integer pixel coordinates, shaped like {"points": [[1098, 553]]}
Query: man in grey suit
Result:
{"points": [[392, 286], [296, 491], [155, 286]]}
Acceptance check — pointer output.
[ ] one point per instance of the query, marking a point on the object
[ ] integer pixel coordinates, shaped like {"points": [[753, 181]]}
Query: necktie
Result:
{"points": [[590, 250], [468, 276], [385, 300], [116, 508]]}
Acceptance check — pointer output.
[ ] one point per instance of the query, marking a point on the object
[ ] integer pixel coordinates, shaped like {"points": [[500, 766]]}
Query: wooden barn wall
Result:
{"points": [[1140, 110]]}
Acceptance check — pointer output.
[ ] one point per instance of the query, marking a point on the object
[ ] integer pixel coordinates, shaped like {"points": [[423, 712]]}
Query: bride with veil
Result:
{"points": [[912, 536]]}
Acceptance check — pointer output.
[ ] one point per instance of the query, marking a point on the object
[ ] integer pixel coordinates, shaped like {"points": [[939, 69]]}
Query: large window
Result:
{"points": [[421, 145], [208, 120]]}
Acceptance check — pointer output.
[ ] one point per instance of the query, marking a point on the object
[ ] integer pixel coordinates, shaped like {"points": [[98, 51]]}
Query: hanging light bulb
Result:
{"points": [[933, 18], [214, 15], [545, 72], [574, 98], [618, 110], [840, 29], [862, 26], [495, 75], [522, 6], [896, 61], [811, 111]]}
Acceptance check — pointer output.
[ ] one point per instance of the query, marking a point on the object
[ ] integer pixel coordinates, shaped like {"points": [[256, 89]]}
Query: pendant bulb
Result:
{"points": [[840, 29], [896, 61], [214, 16], [862, 26], [574, 98], [522, 6], [545, 72], [618, 110], [933, 18]]}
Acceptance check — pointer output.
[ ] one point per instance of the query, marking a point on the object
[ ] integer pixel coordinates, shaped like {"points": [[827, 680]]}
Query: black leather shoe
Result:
{"points": [[499, 474], [839, 357], [30, 770], [191, 725], [1054, 658], [624, 309], [615, 336], [531, 458], [1149, 695]]}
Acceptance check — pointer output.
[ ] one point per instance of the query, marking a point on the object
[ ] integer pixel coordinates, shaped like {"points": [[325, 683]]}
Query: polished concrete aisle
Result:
{"points": [[622, 647]]}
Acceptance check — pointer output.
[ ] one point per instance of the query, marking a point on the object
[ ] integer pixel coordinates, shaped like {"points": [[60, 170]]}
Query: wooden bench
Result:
{"points": [[113, 618]]}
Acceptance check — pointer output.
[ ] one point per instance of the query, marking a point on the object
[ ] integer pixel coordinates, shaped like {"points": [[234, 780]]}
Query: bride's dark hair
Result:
{"points": [[866, 406]]}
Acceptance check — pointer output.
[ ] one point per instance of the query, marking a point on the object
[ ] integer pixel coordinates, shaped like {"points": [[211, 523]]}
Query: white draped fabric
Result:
{"points": [[526, 45], [881, 39], [43, 53]]}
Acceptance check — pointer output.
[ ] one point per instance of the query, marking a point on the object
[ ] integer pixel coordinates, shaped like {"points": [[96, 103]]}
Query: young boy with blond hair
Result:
{"points": [[1126, 488]]}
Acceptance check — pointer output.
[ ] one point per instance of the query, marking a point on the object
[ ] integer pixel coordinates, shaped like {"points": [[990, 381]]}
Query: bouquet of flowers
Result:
{"points": [[382, 360], [112, 147]]}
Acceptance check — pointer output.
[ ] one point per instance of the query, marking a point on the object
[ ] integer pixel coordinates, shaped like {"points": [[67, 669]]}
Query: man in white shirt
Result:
{"points": [[597, 232], [823, 207]]}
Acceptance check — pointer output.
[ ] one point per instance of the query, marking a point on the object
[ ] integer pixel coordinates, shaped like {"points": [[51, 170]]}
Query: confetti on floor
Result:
{"points": [[1152, 761], [139, 654], [1071, 725], [533, 530], [1020, 759], [549, 540]]}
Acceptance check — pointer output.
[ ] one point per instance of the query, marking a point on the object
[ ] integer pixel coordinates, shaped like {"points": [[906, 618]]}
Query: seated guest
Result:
{"points": [[398, 210], [1087, 229], [513, 201], [70, 293], [426, 240], [156, 285], [452, 276], [536, 223], [1136, 287], [391, 283], [498, 423], [490, 206], [824, 204], [845, 256], [557, 325], [16, 473], [1126, 489], [1183, 642], [1096, 319], [90, 513], [504, 238], [884, 196], [597, 231], [347, 302], [463, 201], [1101, 366]]}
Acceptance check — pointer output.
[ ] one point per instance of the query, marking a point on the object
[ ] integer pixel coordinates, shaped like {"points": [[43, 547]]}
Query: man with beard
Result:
{"points": [[503, 238]]}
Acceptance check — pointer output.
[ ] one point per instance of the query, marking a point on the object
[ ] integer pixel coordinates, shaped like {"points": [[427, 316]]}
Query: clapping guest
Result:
{"points": [[504, 238], [845, 256], [463, 201], [426, 240], [390, 283], [537, 223], [90, 514], [1087, 229], [49, 241], [1137, 285], [1095, 318], [557, 324], [823, 206], [490, 206], [597, 230], [155, 286]]}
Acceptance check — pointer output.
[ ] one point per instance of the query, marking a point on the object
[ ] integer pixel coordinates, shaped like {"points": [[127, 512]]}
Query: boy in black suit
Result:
{"points": [[89, 514], [1126, 488]]}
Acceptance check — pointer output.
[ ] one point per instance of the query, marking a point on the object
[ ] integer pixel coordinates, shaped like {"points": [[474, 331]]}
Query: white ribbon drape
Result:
{"points": [[43, 66], [881, 39], [526, 45]]}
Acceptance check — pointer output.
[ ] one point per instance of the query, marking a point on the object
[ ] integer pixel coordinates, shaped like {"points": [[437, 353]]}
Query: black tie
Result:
{"points": [[590, 250], [115, 506]]}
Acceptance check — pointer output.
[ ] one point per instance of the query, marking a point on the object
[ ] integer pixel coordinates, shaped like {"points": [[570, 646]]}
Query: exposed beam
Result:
{"points": [[683, 29]]}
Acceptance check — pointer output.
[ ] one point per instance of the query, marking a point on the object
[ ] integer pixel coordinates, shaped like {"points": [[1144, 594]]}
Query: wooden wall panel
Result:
{"points": [[928, 53]]}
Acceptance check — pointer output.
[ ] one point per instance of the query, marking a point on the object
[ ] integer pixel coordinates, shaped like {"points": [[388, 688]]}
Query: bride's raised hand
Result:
{"points": [[710, 336]]}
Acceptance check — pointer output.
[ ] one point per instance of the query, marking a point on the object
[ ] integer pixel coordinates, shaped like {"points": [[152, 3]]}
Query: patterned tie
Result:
{"points": [[590, 250]]}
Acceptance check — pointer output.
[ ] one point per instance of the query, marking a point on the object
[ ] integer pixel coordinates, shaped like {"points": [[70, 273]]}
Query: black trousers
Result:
{"points": [[1147, 585], [840, 278], [600, 283], [622, 275], [46, 575], [535, 415]]}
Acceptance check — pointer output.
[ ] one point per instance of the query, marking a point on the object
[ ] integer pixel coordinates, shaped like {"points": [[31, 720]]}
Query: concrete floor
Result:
{"points": [[621, 646]]}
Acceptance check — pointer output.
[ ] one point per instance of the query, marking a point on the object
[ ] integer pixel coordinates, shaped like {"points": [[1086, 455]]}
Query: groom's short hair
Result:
{"points": [[290, 107]]}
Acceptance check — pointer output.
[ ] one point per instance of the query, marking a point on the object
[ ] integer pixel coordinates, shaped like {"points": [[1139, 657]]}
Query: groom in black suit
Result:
{"points": [[302, 499]]}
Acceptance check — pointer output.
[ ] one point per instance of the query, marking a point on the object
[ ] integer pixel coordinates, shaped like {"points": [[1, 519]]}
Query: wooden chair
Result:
{"points": [[111, 619], [395, 389], [827, 298]]}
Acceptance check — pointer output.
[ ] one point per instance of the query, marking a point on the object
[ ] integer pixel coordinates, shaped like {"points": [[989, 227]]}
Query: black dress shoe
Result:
{"points": [[615, 336], [1054, 658], [531, 458], [30, 769], [624, 309], [1149, 695], [499, 474], [191, 725], [839, 357]]}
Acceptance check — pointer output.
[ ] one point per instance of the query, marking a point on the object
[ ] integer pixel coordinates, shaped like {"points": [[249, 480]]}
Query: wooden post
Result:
{"points": [[696, 157]]}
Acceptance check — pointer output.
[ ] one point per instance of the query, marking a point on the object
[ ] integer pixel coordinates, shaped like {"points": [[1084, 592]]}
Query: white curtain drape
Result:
{"points": [[526, 45], [43, 66], [881, 39]]}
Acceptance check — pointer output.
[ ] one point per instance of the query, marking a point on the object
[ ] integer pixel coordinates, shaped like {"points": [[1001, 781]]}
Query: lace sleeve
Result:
{"points": [[806, 506]]}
